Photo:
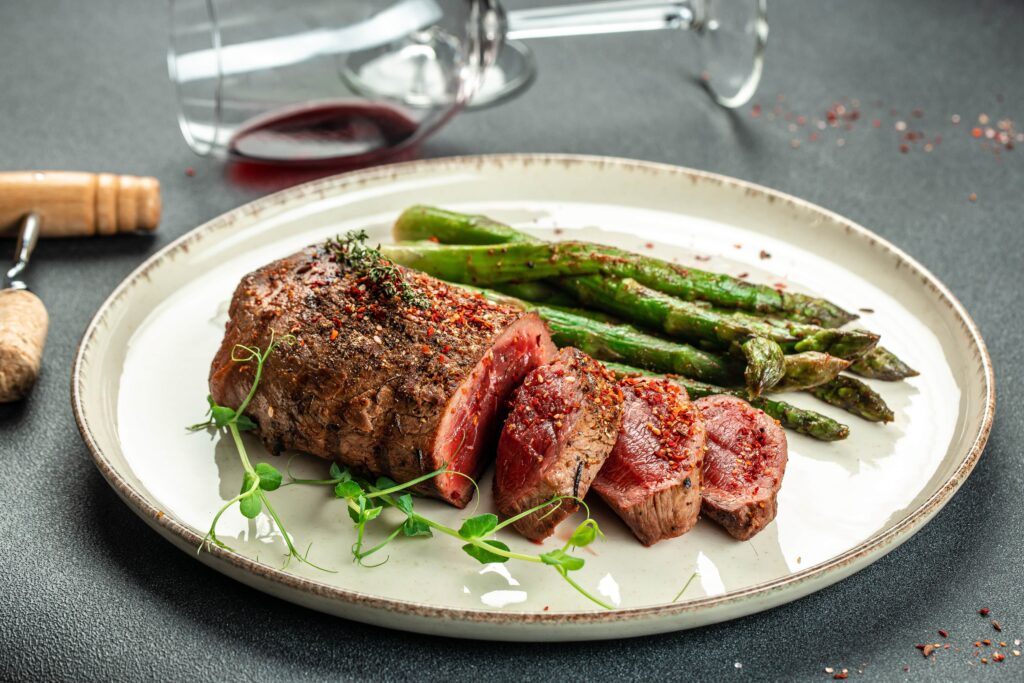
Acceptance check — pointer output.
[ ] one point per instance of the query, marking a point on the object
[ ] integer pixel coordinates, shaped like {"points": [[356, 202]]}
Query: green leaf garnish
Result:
{"points": [[270, 477], [484, 556], [560, 558], [416, 527], [479, 526], [348, 489], [585, 533], [250, 506]]}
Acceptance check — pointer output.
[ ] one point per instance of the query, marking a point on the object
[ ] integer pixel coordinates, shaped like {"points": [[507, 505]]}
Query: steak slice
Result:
{"points": [[743, 467], [375, 381], [653, 477], [563, 424]]}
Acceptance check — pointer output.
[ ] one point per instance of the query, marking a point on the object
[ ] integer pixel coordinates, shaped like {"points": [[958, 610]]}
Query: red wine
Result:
{"points": [[355, 132]]}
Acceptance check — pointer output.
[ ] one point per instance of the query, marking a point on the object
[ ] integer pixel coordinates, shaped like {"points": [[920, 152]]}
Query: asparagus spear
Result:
{"points": [[881, 363], [802, 370], [537, 291], [809, 369], [624, 343], [686, 283], [421, 222], [677, 318], [855, 397], [807, 422], [766, 364], [877, 363], [618, 342], [449, 227]]}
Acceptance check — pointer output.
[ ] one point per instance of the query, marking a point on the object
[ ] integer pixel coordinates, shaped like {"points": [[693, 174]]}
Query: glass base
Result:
{"points": [[511, 74]]}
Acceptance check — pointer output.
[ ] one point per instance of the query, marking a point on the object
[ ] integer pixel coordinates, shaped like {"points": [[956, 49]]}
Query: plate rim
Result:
{"points": [[223, 559]]}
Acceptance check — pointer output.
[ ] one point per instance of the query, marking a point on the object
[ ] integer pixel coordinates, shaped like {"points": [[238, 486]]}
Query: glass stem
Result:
{"points": [[604, 17]]}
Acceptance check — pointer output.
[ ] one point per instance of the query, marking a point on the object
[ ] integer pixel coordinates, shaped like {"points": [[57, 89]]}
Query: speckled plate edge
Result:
{"points": [[493, 624]]}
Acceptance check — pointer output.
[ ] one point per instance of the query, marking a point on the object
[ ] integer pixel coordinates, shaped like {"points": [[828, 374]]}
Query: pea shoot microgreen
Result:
{"points": [[258, 479], [366, 500]]}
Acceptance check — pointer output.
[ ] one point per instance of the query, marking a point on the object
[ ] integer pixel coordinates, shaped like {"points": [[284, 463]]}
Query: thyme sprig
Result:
{"points": [[382, 273]]}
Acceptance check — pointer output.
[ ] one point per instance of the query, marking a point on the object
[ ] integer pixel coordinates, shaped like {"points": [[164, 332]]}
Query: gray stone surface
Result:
{"points": [[88, 592]]}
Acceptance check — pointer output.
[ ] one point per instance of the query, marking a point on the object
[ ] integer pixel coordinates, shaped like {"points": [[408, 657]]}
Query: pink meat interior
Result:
{"points": [[547, 407], [743, 456], [635, 470], [466, 436]]}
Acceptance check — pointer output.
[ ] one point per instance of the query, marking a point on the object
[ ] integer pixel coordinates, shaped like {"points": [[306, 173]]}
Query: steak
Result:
{"points": [[743, 467], [385, 384], [562, 426], [652, 480]]}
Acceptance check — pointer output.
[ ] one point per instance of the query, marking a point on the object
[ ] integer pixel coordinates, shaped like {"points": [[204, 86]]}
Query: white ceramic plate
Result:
{"points": [[140, 377]]}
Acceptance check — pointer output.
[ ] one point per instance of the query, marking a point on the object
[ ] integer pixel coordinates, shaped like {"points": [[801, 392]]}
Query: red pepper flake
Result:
{"points": [[877, 123], [998, 656], [841, 676], [430, 331], [425, 349], [764, 255], [698, 257], [973, 197], [986, 642], [813, 136], [547, 607], [743, 275], [755, 111], [649, 245], [944, 633], [334, 334], [904, 149], [190, 172], [977, 132], [434, 239]]}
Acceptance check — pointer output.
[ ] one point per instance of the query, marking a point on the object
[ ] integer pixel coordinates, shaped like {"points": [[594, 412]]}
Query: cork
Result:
{"points": [[72, 204], [23, 323]]}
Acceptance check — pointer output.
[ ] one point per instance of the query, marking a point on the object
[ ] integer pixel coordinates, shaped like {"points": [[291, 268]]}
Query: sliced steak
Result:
{"points": [[375, 381], [563, 424], [743, 467], [653, 477]]}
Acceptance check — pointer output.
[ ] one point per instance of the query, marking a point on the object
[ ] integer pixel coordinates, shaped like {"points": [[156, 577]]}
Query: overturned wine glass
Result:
{"points": [[360, 81]]}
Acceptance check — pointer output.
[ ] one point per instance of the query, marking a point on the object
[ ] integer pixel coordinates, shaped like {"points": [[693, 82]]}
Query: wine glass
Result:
{"points": [[359, 81]]}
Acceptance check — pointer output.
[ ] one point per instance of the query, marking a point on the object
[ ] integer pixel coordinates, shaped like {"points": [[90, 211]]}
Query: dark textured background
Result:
{"points": [[87, 591]]}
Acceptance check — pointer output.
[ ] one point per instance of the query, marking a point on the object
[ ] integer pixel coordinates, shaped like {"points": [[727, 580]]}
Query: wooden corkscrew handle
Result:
{"points": [[71, 204], [23, 324]]}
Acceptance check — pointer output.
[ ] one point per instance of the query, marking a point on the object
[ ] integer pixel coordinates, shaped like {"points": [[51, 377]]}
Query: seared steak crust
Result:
{"points": [[563, 424], [653, 477], [744, 465], [371, 378]]}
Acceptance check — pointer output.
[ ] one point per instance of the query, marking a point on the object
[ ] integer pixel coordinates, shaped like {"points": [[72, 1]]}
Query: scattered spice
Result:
{"points": [[944, 633], [973, 197], [984, 611], [842, 675], [998, 656], [997, 626], [190, 172], [764, 255]]}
